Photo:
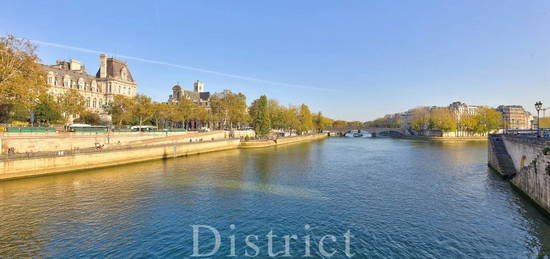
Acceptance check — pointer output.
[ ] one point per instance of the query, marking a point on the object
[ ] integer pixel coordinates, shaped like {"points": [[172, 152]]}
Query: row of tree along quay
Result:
{"points": [[25, 101], [444, 120]]}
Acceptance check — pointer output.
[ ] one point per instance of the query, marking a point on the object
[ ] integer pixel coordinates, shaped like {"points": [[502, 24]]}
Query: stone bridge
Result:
{"points": [[373, 131]]}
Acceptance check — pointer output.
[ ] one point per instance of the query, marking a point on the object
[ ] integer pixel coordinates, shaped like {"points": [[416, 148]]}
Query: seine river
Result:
{"points": [[397, 198]]}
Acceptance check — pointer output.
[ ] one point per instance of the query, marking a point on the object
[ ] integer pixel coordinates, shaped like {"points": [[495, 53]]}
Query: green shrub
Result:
{"points": [[546, 151]]}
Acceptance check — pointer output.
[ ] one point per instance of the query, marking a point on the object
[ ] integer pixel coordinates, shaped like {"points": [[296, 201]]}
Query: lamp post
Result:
{"points": [[538, 106]]}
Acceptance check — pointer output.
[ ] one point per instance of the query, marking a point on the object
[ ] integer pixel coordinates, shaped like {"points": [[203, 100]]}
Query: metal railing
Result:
{"points": [[533, 133]]}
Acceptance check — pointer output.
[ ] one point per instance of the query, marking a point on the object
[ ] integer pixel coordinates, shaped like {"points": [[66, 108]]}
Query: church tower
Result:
{"points": [[198, 86]]}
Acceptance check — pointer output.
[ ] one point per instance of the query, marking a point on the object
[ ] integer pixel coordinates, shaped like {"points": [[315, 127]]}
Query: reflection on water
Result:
{"points": [[399, 198]]}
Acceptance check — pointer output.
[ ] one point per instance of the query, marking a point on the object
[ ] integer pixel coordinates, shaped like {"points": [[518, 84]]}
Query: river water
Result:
{"points": [[397, 198]]}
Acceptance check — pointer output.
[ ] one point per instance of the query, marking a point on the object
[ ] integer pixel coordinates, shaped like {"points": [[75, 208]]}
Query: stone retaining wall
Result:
{"points": [[134, 151], [523, 158], [40, 142], [281, 141], [534, 180], [47, 165]]}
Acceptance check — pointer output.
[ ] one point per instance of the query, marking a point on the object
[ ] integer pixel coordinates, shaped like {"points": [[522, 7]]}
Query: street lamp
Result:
{"points": [[538, 106]]}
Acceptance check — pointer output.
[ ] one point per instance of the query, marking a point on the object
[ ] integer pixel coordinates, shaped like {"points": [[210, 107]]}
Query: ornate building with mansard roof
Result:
{"points": [[112, 78], [197, 96]]}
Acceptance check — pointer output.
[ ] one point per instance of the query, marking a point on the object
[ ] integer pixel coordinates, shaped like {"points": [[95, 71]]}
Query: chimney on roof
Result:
{"points": [[102, 66], [74, 65]]}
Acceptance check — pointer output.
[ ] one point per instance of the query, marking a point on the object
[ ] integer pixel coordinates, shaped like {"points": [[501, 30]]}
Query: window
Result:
{"points": [[67, 81], [88, 102], [94, 103], [51, 79], [81, 84], [94, 86]]}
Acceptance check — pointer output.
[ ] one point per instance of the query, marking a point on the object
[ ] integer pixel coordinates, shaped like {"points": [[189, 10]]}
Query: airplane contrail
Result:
{"points": [[63, 46]]}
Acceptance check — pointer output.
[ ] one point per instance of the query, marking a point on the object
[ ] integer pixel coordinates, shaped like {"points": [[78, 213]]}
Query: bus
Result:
{"points": [[143, 128], [78, 127]]}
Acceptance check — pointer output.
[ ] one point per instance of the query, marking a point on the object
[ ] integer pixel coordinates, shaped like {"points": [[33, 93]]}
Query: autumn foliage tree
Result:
{"points": [[22, 80], [442, 119], [71, 103]]}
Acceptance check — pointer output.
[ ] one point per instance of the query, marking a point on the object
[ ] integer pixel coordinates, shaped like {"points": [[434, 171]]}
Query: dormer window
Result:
{"points": [[124, 74]]}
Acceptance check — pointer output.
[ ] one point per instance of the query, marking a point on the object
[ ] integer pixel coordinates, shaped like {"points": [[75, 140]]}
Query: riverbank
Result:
{"points": [[139, 151], [280, 141], [447, 139]]}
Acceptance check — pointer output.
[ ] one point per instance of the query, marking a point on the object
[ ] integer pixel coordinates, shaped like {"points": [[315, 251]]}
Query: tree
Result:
{"points": [[120, 109], [545, 122], [339, 124], [442, 119], [487, 119], [388, 121], [305, 118], [420, 118], [71, 103], [184, 110], [22, 80], [259, 112], [89, 118], [468, 122], [47, 109], [276, 114], [142, 110], [322, 122], [229, 108]]}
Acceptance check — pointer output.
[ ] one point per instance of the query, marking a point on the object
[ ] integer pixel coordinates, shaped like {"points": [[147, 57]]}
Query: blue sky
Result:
{"points": [[353, 60]]}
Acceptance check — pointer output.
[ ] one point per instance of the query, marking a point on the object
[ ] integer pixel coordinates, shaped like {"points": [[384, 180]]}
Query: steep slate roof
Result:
{"points": [[60, 70], [114, 66], [205, 96]]}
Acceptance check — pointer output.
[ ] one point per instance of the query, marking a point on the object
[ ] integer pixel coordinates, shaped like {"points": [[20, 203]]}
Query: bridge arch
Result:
{"points": [[373, 131]]}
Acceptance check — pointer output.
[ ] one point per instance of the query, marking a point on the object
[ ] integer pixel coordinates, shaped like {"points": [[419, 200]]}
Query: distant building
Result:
{"points": [[112, 78], [515, 117], [197, 96], [460, 109]]}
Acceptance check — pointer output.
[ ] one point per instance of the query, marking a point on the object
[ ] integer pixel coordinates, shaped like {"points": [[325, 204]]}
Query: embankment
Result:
{"points": [[18, 168], [133, 151], [526, 161], [446, 139], [280, 141]]}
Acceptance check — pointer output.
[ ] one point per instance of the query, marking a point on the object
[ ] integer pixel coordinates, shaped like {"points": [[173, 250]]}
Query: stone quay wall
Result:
{"points": [[523, 159], [138, 150], [281, 141], [43, 142], [55, 141], [54, 164]]}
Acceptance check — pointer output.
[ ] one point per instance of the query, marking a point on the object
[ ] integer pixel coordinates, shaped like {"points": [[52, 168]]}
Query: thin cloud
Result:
{"points": [[246, 78]]}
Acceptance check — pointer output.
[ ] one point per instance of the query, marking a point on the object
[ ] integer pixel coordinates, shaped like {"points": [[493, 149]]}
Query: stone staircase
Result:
{"points": [[504, 161]]}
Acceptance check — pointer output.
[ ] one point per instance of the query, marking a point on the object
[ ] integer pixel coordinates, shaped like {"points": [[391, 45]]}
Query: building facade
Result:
{"points": [[112, 78], [461, 109], [197, 96], [515, 117]]}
